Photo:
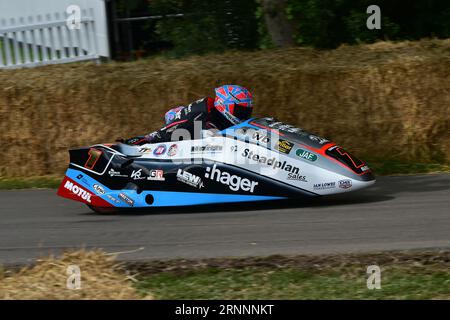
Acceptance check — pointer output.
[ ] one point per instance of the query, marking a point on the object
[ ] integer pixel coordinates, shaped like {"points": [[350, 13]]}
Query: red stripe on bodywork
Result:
{"points": [[348, 156], [95, 200], [174, 124], [268, 128]]}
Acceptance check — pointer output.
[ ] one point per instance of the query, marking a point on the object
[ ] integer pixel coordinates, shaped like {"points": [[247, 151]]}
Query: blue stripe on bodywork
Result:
{"points": [[166, 198], [161, 198], [231, 130]]}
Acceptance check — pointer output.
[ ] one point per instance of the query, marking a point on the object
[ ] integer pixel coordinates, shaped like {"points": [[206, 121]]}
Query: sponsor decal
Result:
{"points": [[297, 177], [307, 155], [145, 150], [271, 162], [228, 115], [178, 115], [160, 150], [278, 125], [345, 184], [189, 178], [133, 140], [318, 139], [206, 149], [110, 197], [178, 111], [173, 149], [188, 109], [156, 175], [126, 199], [284, 146], [98, 189], [324, 186], [114, 173], [83, 180], [80, 192], [233, 182], [283, 126], [258, 136], [137, 175]]}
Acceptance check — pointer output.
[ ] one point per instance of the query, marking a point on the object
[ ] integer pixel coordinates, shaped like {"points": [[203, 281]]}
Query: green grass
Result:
{"points": [[51, 182], [391, 167], [398, 281]]}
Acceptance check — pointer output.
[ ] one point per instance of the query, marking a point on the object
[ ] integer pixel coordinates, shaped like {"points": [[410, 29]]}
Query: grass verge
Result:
{"points": [[393, 167], [48, 182], [403, 276]]}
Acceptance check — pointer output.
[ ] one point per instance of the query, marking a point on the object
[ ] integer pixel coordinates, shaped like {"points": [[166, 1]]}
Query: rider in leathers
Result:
{"points": [[232, 105]]}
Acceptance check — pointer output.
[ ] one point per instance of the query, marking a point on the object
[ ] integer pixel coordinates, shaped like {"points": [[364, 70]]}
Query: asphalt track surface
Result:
{"points": [[407, 212]]}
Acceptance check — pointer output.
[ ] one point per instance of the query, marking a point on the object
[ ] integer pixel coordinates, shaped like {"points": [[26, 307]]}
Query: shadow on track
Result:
{"points": [[386, 189], [333, 200]]}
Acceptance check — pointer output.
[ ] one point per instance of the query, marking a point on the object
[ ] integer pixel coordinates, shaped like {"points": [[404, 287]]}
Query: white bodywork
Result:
{"points": [[308, 177]]}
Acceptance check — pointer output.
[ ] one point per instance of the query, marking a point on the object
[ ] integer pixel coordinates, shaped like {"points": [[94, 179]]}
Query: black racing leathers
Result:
{"points": [[187, 124]]}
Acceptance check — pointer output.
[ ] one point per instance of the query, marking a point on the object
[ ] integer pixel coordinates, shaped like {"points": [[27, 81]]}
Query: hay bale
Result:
{"points": [[384, 100], [101, 278]]}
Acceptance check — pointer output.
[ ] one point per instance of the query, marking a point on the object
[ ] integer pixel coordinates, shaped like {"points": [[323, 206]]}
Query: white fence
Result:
{"points": [[42, 40]]}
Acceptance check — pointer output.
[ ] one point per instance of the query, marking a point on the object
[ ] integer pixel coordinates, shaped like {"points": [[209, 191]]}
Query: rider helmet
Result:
{"points": [[234, 100]]}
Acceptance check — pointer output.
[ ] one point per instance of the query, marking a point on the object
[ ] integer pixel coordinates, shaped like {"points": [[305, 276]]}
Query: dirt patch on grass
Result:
{"points": [[384, 100], [304, 262]]}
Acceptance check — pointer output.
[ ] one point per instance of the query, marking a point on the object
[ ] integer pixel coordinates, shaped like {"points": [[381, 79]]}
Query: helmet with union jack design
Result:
{"points": [[234, 100]]}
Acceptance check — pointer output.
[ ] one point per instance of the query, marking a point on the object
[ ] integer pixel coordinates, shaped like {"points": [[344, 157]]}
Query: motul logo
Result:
{"points": [[83, 194]]}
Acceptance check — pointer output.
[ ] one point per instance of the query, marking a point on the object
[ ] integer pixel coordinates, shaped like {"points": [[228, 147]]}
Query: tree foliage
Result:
{"points": [[329, 23], [207, 26], [218, 25]]}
